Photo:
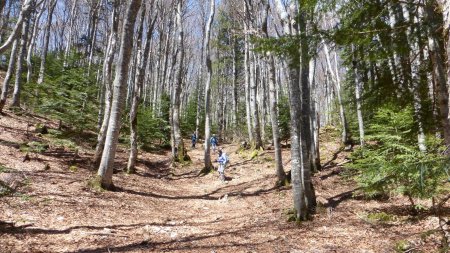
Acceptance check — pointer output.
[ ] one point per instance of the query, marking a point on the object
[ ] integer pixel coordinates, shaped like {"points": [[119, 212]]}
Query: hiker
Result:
{"points": [[194, 139], [222, 160], [214, 142]]}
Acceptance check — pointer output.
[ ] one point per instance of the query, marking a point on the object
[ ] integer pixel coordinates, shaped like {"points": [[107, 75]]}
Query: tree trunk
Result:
{"points": [[179, 152], [207, 62], [73, 13], [337, 86], [281, 175], [439, 45], [295, 113], [247, 84], [5, 20], [254, 104], [105, 170], [315, 120], [32, 44], [306, 134], [107, 74], [51, 7], [93, 35], [143, 62], [19, 66], [358, 92], [9, 74], [235, 90], [27, 8], [135, 93]]}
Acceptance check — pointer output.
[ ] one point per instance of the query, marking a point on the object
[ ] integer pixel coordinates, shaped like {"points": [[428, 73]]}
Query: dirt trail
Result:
{"points": [[175, 210]]}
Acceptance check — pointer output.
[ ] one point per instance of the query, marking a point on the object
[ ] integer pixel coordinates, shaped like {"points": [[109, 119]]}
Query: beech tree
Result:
{"points": [[51, 4], [105, 170], [207, 62], [142, 63]]}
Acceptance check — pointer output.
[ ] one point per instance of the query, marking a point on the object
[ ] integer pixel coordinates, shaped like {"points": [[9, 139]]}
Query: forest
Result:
{"points": [[225, 126]]}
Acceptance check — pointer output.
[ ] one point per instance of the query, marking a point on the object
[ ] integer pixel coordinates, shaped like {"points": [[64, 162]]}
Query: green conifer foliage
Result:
{"points": [[391, 162]]}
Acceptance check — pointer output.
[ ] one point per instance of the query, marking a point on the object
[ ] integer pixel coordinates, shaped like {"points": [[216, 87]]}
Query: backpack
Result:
{"points": [[226, 159]]}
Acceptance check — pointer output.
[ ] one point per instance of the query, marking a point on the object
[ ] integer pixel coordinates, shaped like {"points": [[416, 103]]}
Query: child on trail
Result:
{"points": [[222, 160], [214, 142], [194, 140]]}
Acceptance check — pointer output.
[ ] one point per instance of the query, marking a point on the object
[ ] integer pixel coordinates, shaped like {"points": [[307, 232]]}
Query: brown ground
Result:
{"points": [[174, 210]]}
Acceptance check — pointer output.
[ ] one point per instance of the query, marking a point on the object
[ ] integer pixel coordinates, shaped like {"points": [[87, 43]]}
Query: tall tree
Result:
{"points": [[9, 74], [143, 56], [207, 62], [51, 4], [107, 82], [178, 150], [273, 101], [19, 66], [105, 170], [303, 193]]}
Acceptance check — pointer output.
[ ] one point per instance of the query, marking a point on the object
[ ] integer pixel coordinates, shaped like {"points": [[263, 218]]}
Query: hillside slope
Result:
{"points": [[164, 209]]}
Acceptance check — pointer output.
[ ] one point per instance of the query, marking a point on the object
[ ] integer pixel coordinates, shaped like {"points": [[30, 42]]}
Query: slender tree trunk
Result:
{"points": [[5, 20], [181, 150], [358, 92], [27, 8], [143, 62], [207, 62], [306, 134], [200, 94], [51, 7], [315, 124], [281, 175], [254, 104], [107, 83], [135, 93], [105, 170], [9, 74], [439, 45], [19, 66], [220, 97], [418, 82], [32, 44], [337, 85], [93, 35], [274, 121], [235, 90], [73, 14], [247, 84]]}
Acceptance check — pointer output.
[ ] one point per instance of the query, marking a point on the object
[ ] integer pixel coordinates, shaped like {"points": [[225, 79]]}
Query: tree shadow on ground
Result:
{"points": [[10, 144], [331, 162], [154, 169], [334, 201], [245, 162], [332, 173], [10, 228], [188, 243], [415, 214], [230, 190]]}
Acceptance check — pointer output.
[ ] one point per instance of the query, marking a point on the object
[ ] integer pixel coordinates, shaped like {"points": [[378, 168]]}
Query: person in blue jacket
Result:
{"points": [[213, 142], [222, 160], [194, 139]]}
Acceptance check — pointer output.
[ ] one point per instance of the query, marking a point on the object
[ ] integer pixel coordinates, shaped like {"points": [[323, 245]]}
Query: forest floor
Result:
{"points": [[165, 209]]}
